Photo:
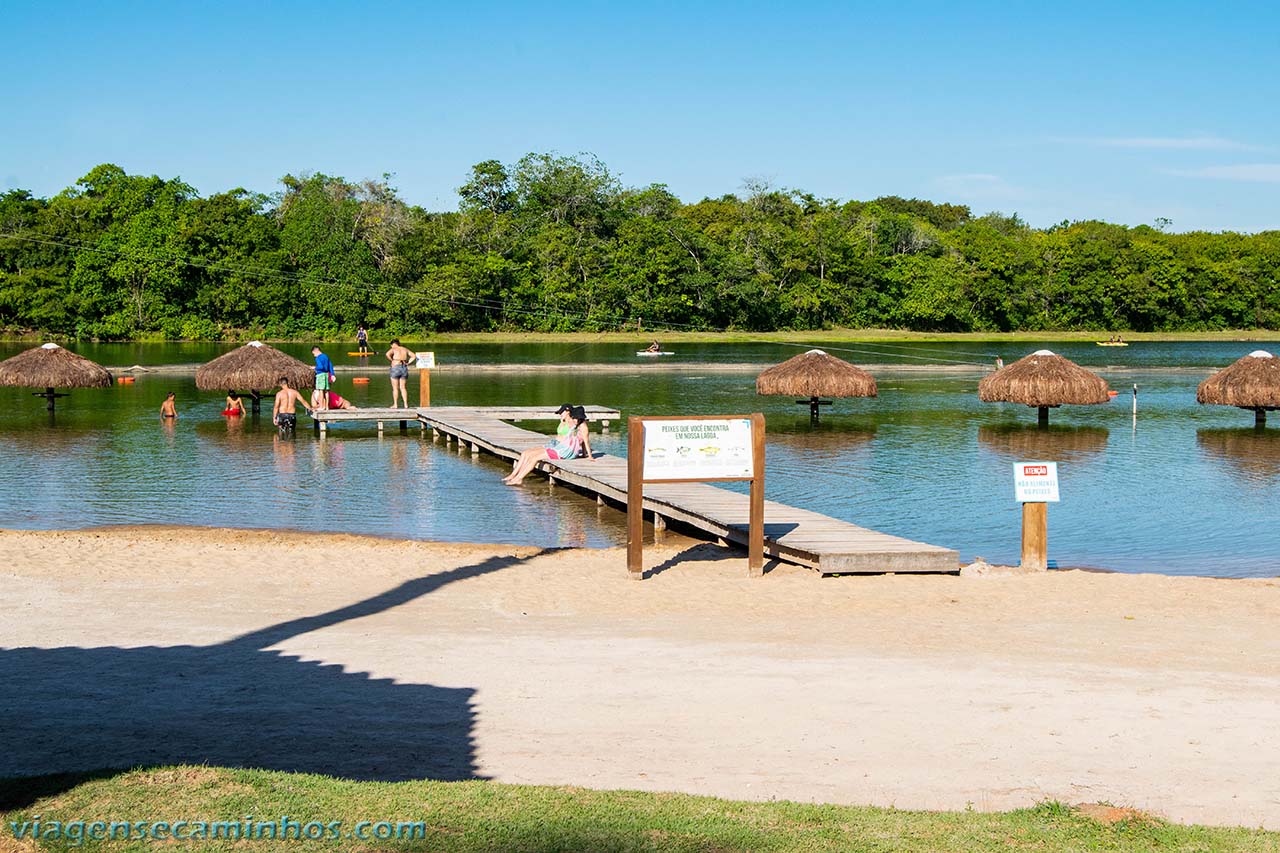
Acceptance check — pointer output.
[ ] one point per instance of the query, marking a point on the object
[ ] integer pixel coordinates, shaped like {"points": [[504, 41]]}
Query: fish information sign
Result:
{"points": [[1035, 482], [698, 449], [690, 450], [426, 360]]}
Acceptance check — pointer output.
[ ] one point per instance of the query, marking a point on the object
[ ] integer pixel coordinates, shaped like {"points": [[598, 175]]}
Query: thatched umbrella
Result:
{"points": [[1043, 380], [814, 374], [50, 366], [1253, 382], [254, 367]]}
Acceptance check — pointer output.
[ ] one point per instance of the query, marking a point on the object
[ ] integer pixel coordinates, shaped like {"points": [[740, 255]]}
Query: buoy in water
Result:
{"points": [[360, 380], [124, 380], [1112, 393]]}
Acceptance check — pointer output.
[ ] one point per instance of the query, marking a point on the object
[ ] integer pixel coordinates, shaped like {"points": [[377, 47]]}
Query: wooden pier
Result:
{"points": [[792, 535]]}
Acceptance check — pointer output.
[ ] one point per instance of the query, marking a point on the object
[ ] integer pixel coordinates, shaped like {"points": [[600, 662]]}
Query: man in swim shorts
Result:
{"points": [[399, 356], [284, 413]]}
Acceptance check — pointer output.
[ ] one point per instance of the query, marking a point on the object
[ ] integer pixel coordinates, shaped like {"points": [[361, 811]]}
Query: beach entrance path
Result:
{"points": [[792, 535]]}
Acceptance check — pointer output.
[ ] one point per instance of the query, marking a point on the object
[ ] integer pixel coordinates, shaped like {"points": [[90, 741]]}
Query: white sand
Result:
{"points": [[553, 667]]}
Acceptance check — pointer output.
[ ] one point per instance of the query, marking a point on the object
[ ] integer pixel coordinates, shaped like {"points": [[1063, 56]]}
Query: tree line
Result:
{"points": [[555, 243]]}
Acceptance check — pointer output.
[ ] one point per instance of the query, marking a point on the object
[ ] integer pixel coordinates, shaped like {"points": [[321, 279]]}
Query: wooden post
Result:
{"points": [[1035, 536], [755, 525], [1259, 418], [424, 386], [635, 499], [1042, 420]]}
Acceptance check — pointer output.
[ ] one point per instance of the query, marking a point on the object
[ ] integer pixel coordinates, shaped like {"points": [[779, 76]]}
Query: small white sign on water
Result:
{"points": [[702, 449], [1035, 482]]}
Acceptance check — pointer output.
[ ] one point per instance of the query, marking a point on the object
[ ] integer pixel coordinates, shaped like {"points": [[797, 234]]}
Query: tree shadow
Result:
{"points": [[77, 710]]}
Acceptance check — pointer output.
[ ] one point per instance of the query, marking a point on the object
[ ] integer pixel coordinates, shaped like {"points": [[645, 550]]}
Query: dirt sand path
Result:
{"points": [[391, 660]]}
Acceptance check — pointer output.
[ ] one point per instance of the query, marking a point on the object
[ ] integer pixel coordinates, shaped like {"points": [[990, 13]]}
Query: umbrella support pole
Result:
{"points": [[813, 403], [1043, 420], [50, 396], [1259, 417], [257, 401]]}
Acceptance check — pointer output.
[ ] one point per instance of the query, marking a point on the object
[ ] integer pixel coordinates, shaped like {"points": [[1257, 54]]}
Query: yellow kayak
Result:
{"points": [[1112, 343]]}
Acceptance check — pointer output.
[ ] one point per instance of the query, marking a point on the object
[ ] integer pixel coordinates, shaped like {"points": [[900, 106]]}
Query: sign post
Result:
{"points": [[426, 361], [695, 450], [1035, 484]]}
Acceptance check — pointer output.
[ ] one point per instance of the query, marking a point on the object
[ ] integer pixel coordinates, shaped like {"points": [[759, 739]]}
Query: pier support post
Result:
{"points": [[1035, 536]]}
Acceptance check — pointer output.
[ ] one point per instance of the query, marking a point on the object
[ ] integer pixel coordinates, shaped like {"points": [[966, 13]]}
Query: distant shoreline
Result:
{"points": [[823, 335]]}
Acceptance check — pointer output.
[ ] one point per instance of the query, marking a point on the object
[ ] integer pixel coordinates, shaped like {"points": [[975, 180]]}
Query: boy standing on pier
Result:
{"points": [[324, 376]]}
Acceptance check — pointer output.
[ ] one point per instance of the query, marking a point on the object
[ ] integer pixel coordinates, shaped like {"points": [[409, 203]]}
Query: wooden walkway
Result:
{"points": [[792, 535], [417, 415]]}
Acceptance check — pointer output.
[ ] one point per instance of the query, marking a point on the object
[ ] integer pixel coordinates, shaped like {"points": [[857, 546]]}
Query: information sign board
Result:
{"points": [[1035, 482], [708, 449]]}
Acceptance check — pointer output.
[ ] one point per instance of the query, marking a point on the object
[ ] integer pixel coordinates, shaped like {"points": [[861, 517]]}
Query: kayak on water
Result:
{"points": [[647, 352]]}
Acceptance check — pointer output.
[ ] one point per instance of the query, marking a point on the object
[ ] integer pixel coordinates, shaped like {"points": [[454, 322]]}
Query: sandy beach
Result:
{"points": [[379, 659]]}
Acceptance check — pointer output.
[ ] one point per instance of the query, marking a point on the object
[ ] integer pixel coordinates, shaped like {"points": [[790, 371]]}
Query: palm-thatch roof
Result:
{"points": [[1043, 379], [816, 374], [253, 367], [52, 366], [1253, 382]]}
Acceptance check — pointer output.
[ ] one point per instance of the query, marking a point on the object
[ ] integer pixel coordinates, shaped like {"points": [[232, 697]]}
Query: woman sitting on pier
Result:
{"points": [[572, 440]]}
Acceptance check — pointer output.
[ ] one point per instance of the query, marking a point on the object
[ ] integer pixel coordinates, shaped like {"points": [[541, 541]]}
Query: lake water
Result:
{"points": [[1192, 490]]}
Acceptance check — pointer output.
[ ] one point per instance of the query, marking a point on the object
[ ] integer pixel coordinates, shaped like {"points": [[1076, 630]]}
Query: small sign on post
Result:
{"points": [[1035, 484], [426, 361], [695, 450]]}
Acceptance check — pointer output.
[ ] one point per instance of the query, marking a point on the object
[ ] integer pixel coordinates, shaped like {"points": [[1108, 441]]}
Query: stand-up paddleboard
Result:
{"points": [[370, 352], [646, 352]]}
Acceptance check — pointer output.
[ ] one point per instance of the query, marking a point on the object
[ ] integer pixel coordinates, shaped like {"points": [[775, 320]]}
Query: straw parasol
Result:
{"points": [[253, 367], [1253, 382], [814, 374], [51, 366], [1043, 380]]}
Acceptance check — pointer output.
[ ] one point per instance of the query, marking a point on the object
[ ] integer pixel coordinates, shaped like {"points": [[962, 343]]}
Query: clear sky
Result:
{"points": [[1118, 111]]}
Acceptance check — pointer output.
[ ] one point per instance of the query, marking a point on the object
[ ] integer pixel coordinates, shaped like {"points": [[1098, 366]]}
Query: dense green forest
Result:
{"points": [[556, 243]]}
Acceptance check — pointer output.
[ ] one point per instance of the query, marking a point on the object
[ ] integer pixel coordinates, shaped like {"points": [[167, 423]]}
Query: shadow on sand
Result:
{"points": [[76, 710]]}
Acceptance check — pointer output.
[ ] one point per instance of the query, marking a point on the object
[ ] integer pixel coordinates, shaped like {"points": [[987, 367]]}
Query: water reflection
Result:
{"points": [[1254, 453], [1058, 443], [825, 440]]}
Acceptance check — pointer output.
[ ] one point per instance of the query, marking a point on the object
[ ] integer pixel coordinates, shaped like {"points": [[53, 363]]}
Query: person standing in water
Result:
{"points": [[284, 413], [169, 408], [324, 374], [399, 356]]}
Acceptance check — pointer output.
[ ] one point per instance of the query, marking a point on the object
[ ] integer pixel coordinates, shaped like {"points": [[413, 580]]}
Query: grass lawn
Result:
{"points": [[485, 816]]}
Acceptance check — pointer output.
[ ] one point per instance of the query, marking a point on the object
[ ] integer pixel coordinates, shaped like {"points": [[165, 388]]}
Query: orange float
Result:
{"points": [[360, 380]]}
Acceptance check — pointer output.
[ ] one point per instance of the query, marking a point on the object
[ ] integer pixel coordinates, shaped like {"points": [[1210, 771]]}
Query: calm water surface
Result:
{"points": [[1191, 490]]}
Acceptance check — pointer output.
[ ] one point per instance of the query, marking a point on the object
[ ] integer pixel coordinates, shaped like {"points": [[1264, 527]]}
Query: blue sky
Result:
{"points": [[1124, 112]]}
